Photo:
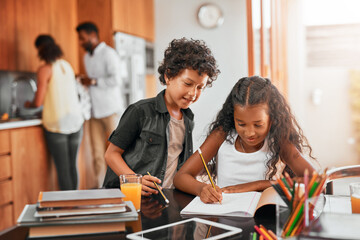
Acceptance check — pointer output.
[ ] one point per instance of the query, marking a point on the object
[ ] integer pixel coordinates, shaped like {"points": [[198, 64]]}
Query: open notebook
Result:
{"points": [[235, 204]]}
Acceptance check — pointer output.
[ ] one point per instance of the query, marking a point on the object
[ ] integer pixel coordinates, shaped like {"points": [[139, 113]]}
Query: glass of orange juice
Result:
{"points": [[130, 185], [355, 197]]}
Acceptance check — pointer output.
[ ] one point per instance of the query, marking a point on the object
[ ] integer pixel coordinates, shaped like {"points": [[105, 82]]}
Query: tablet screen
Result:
{"points": [[194, 228]]}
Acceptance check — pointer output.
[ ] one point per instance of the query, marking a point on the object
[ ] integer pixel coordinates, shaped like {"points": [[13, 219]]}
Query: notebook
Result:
{"points": [[80, 197], [235, 204]]}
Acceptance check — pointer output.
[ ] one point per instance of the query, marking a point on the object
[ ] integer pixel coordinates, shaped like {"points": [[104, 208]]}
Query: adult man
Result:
{"points": [[103, 79]]}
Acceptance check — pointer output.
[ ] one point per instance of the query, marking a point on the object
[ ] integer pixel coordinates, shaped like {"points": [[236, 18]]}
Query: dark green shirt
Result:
{"points": [[143, 134]]}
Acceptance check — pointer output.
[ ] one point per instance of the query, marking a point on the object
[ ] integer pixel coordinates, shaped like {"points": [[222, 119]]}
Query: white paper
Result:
{"points": [[233, 204]]}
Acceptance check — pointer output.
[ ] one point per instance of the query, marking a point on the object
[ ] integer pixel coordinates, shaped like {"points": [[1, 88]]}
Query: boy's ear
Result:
{"points": [[167, 80]]}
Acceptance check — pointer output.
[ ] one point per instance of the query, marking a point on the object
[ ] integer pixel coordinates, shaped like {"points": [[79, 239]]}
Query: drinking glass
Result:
{"points": [[130, 185], [355, 197]]}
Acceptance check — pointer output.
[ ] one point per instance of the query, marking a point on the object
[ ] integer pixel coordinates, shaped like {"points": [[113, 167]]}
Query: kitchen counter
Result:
{"points": [[18, 123]]}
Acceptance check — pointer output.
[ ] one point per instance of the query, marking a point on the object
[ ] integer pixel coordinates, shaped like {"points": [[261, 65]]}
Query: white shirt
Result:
{"points": [[104, 66], [234, 167]]}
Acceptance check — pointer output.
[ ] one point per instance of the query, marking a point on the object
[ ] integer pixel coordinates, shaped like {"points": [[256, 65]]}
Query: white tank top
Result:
{"points": [[234, 167], [61, 111]]}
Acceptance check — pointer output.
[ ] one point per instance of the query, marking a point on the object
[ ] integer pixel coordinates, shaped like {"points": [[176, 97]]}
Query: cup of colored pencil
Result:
{"points": [[303, 199]]}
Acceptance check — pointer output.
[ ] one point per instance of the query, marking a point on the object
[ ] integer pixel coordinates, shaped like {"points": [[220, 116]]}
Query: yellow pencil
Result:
{"points": [[166, 200], [207, 170]]}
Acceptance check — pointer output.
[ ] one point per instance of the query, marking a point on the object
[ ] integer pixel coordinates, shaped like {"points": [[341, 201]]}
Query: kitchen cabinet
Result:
{"points": [[25, 171], [7, 35], [22, 21], [135, 17]]}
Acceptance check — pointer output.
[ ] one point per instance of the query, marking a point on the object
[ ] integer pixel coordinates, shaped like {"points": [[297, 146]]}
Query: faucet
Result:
{"points": [[14, 108]]}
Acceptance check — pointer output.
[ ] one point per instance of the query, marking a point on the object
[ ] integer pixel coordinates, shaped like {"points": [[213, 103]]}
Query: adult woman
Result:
{"points": [[62, 118]]}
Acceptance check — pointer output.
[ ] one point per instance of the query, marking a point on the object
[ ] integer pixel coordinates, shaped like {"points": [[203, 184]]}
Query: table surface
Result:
{"points": [[154, 214]]}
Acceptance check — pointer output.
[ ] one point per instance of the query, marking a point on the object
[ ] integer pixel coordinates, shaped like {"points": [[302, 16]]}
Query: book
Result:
{"points": [[236, 204], [80, 210], [78, 229], [75, 225], [72, 198]]}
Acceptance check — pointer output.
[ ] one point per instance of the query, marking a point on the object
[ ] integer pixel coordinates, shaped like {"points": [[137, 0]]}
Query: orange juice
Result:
{"points": [[355, 203], [132, 192]]}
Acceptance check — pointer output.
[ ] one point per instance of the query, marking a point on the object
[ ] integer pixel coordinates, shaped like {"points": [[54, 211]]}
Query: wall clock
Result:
{"points": [[210, 16]]}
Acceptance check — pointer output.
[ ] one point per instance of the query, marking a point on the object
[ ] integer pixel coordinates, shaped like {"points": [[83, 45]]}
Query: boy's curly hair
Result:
{"points": [[255, 90], [184, 54]]}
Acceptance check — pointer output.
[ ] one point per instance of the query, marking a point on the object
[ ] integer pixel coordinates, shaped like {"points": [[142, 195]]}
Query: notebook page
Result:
{"points": [[233, 204]]}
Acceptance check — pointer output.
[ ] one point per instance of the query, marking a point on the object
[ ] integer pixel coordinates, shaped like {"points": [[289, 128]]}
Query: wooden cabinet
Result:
{"points": [[19, 29], [25, 171], [7, 35], [23, 20], [135, 17], [6, 193]]}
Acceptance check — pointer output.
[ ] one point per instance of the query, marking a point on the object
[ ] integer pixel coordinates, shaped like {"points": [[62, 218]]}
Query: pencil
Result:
{"points": [[207, 170], [272, 234], [262, 232], [208, 232], [306, 207], [314, 176], [287, 185], [289, 180], [266, 232], [284, 189], [166, 200], [254, 236]]}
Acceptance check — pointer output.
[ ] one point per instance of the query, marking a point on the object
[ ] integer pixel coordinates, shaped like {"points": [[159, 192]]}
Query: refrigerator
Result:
{"points": [[131, 50]]}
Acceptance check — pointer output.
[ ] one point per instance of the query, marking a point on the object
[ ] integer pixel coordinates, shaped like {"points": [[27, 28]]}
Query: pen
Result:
{"points": [[166, 200], [202, 158]]}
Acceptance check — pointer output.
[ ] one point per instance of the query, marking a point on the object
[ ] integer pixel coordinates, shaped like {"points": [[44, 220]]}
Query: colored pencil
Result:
{"points": [[314, 176], [262, 233], [254, 236], [266, 232], [284, 189], [289, 180], [306, 183], [208, 232], [301, 210], [166, 200], [287, 185], [272, 234], [207, 170]]}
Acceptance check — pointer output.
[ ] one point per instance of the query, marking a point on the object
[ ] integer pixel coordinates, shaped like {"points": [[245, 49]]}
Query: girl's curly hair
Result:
{"points": [[184, 54], [48, 50], [284, 127]]}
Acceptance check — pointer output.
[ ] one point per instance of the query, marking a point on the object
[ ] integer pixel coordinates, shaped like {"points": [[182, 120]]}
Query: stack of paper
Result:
{"points": [[62, 213]]}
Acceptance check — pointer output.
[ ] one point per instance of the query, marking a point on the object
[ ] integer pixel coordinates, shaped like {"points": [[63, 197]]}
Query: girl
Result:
{"points": [[253, 135]]}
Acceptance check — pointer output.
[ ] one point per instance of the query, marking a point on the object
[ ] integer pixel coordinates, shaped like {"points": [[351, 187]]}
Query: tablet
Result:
{"points": [[193, 228]]}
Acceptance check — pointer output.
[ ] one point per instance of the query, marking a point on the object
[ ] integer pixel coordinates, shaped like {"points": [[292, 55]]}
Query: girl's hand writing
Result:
{"points": [[148, 186], [209, 195]]}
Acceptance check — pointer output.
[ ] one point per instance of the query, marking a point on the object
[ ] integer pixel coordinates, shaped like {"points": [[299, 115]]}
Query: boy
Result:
{"points": [[155, 135]]}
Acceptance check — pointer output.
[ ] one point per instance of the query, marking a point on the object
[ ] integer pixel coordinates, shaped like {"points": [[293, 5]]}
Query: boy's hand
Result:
{"points": [[209, 195], [148, 186]]}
